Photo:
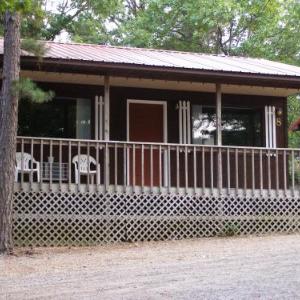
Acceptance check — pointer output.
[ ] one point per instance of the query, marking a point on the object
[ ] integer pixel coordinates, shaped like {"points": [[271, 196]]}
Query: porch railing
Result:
{"points": [[152, 167]]}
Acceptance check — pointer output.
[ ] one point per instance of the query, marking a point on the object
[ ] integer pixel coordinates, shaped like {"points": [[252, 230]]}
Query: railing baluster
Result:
{"points": [[151, 168], [284, 172], [177, 169], [51, 165], [220, 171], [269, 171], [79, 164], [70, 164], [116, 166], [245, 169], [195, 168], [41, 164], [277, 172], [169, 169], [236, 156], [186, 168], [261, 179], [142, 168], [293, 172], [129, 182], [133, 167], [106, 161], [203, 170], [253, 171], [228, 171], [22, 163], [60, 164], [89, 167], [125, 169], [212, 170], [31, 164], [160, 167], [98, 168]]}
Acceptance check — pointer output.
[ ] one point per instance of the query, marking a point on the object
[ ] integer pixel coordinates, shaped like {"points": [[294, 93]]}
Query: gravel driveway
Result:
{"points": [[216, 268]]}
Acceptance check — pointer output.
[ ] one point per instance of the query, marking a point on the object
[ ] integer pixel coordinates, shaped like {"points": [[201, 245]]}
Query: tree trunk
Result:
{"points": [[8, 126]]}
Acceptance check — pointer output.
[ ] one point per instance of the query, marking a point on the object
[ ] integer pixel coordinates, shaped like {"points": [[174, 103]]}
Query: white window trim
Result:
{"points": [[184, 117], [99, 118], [270, 127]]}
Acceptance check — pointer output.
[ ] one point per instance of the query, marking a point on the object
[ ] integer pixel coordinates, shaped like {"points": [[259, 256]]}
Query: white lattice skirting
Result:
{"points": [[74, 219]]}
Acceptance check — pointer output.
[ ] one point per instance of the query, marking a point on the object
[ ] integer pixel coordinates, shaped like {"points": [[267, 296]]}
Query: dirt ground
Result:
{"points": [[216, 268]]}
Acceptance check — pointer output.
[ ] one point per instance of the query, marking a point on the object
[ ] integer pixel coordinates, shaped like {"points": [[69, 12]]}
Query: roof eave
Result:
{"points": [[144, 71]]}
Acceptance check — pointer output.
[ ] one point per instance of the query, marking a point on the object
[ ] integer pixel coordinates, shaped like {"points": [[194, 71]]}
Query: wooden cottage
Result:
{"points": [[137, 140]]}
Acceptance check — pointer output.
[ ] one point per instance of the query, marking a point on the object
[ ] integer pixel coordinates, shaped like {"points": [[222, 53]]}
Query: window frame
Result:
{"points": [[255, 110]]}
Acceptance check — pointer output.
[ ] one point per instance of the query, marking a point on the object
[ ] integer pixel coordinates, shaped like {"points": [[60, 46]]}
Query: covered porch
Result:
{"points": [[110, 163], [155, 136]]}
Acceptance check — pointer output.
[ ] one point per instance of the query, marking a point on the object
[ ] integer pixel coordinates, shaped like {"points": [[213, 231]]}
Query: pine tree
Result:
{"points": [[8, 125]]}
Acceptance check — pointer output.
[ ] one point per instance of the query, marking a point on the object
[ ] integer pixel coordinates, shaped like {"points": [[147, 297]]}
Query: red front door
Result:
{"points": [[146, 124]]}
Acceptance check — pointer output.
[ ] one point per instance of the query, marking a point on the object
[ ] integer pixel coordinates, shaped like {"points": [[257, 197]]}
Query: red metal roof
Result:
{"points": [[164, 58]]}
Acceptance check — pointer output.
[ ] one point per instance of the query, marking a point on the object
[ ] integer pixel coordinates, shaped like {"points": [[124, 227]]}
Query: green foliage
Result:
{"points": [[23, 6], [230, 228], [221, 26], [80, 18], [27, 89], [34, 47], [32, 19], [33, 16], [293, 114]]}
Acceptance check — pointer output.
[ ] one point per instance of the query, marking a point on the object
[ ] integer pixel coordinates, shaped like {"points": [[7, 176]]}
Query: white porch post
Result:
{"points": [[106, 131], [106, 107], [219, 133], [219, 114]]}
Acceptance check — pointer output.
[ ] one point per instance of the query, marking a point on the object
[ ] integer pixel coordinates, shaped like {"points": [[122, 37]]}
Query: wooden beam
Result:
{"points": [[76, 78], [106, 130], [219, 134]]}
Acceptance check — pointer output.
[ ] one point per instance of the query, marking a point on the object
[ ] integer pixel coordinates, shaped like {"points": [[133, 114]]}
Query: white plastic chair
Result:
{"points": [[30, 165], [83, 165]]}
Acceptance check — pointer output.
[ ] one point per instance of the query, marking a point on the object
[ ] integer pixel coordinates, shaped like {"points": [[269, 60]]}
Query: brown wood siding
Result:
{"points": [[119, 97]]}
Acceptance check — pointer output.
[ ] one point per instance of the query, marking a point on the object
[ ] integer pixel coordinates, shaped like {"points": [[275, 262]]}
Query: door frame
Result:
{"points": [[165, 131], [165, 121]]}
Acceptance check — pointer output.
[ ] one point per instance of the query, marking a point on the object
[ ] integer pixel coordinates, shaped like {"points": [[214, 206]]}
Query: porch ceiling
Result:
{"points": [[157, 84], [161, 64]]}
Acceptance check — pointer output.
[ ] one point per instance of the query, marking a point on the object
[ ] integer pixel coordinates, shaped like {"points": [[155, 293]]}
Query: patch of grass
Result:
{"points": [[229, 229]]}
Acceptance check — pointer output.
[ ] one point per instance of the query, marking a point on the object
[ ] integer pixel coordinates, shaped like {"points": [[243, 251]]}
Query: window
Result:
{"points": [[60, 118], [83, 119], [240, 126]]}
